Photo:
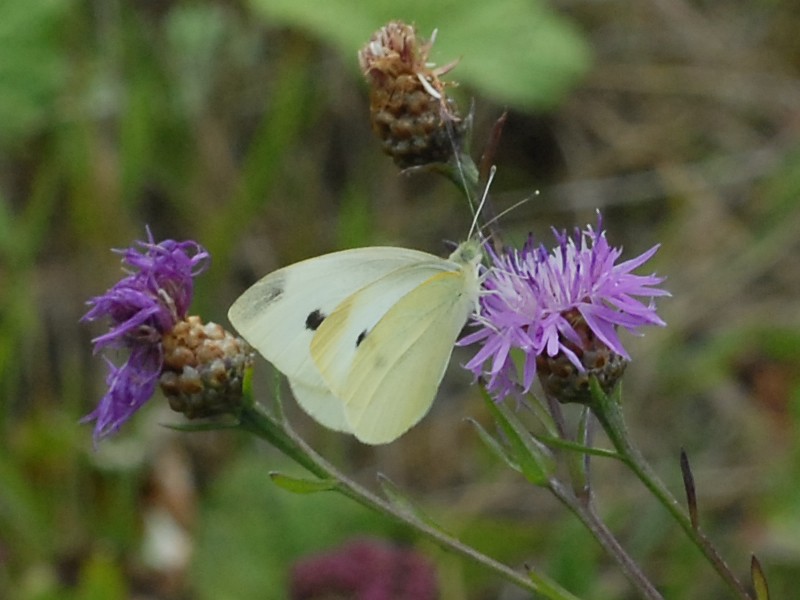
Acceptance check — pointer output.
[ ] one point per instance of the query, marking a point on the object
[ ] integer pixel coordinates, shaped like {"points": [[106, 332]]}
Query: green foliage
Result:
{"points": [[32, 65], [101, 579], [759, 580], [405, 505], [298, 485], [251, 531], [524, 452], [221, 122], [518, 52]]}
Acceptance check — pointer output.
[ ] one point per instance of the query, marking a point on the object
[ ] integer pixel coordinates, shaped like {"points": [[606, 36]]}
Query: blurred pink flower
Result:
{"points": [[364, 570]]}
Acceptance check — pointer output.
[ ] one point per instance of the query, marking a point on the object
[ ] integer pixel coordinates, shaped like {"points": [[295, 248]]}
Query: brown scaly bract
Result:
{"points": [[410, 112]]}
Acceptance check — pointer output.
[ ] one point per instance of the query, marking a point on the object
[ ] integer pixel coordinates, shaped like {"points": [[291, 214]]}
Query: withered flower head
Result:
{"points": [[204, 367], [410, 112], [200, 367]]}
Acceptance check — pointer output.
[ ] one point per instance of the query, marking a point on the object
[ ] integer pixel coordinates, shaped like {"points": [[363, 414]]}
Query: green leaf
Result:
{"points": [[24, 516], [399, 500], [759, 580], [518, 52], [494, 446], [101, 579], [32, 65], [250, 531], [534, 459], [192, 426], [302, 486]]}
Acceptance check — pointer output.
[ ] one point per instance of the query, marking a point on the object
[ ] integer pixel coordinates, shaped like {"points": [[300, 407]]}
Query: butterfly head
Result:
{"points": [[468, 253]]}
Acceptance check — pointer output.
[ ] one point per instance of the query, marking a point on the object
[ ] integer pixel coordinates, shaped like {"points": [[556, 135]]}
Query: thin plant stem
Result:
{"points": [[584, 509], [257, 420], [608, 412]]}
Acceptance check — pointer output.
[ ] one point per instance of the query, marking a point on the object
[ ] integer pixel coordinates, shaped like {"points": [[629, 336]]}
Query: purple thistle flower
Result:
{"points": [[142, 307], [365, 569], [546, 304]]}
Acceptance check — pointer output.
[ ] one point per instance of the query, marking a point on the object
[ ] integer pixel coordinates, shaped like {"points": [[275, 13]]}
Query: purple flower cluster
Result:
{"points": [[533, 295], [143, 306], [367, 570]]}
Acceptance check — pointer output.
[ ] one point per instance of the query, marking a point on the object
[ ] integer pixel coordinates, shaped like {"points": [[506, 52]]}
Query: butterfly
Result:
{"points": [[363, 335]]}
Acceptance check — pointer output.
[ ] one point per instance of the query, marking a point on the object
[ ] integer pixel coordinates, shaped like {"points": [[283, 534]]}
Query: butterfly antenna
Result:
{"points": [[475, 227], [514, 206]]}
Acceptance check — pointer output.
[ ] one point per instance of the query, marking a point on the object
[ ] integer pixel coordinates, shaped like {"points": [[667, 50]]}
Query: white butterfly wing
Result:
{"points": [[321, 404], [338, 340], [389, 380], [279, 315]]}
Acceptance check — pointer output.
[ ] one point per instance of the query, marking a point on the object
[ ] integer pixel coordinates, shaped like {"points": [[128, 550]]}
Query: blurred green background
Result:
{"points": [[243, 125]]}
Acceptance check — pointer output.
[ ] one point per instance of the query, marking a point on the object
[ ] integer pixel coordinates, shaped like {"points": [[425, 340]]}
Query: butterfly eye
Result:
{"points": [[360, 338], [314, 319]]}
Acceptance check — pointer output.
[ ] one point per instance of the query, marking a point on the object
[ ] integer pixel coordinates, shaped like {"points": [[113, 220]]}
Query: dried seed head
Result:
{"points": [[410, 112], [154, 295], [204, 366]]}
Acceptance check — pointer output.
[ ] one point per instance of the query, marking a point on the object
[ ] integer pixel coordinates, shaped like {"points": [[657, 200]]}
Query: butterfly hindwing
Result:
{"points": [[321, 404]]}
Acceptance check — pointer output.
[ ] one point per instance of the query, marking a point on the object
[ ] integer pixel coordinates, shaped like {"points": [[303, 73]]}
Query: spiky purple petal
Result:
{"points": [[141, 307], [531, 295]]}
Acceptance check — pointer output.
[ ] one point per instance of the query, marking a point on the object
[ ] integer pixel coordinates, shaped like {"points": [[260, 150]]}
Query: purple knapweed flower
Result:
{"points": [[142, 307], [365, 569], [563, 303]]}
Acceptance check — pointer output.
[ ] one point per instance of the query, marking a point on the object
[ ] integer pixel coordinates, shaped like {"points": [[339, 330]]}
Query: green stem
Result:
{"points": [[257, 420], [584, 510], [463, 172], [467, 175], [608, 411], [579, 448]]}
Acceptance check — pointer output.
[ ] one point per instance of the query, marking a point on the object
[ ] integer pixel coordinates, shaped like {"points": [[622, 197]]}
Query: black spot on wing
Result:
{"points": [[265, 292], [360, 338], [314, 319]]}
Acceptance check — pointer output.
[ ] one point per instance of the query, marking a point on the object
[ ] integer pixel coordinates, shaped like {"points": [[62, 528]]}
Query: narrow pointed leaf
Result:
{"points": [[688, 486], [202, 426], [542, 414], [576, 447], [601, 397], [759, 580], [547, 587], [402, 502], [533, 457], [538, 463], [494, 446], [302, 486]]}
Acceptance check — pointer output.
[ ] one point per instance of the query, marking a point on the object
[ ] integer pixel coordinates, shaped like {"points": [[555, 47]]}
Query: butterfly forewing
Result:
{"points": [[364, 336], [280, 313], [397, 371], [341, 336]]}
